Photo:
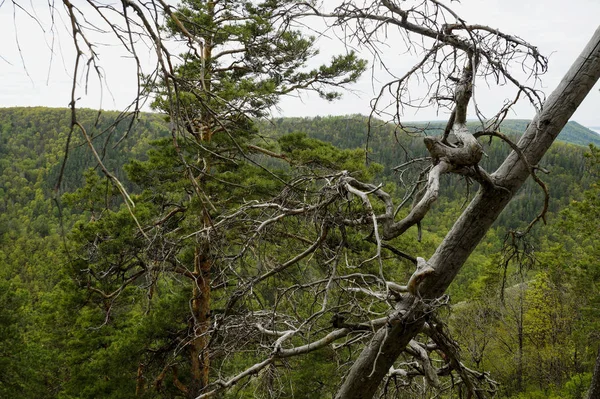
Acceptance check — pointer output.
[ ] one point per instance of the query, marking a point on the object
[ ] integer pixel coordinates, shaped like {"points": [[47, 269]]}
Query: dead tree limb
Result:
{"points": [[380, 354]]}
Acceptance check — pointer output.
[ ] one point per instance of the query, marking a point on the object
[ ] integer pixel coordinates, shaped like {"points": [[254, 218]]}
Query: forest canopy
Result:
{"points": [[62, 348], [207, 251]]}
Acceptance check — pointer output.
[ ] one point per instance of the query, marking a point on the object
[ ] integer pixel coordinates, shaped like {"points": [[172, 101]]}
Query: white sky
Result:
{"points": [[559, 28]]}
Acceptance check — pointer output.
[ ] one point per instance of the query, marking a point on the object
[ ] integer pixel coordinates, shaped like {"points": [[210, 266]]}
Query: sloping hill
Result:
{"points": [[33, 263], [32, 143], [573, 132]]}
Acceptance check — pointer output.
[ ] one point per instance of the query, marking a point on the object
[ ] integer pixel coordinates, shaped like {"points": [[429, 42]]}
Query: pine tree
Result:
{"points": [[243, 56]]}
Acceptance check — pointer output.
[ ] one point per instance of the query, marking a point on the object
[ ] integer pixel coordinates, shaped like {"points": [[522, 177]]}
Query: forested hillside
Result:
{"points": [[36, 137], [55, 342], [565, 161]]}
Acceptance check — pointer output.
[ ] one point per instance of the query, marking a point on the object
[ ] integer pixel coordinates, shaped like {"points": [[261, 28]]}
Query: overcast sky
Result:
{"points": [[559, 28]]}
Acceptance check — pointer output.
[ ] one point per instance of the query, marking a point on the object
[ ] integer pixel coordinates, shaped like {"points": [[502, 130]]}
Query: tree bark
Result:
{"points": [[201, 291], [388, 342], [199, 353]]}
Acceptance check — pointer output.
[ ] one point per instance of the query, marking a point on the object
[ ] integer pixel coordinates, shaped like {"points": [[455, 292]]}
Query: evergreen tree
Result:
{"points": [[244, 55]]}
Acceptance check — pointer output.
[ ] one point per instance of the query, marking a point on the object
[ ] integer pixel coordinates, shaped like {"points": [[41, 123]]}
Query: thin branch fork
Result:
{"points": [[393, 229], [542, 215], [473, 380], [446, 158], [279, 353], [425, 23]]}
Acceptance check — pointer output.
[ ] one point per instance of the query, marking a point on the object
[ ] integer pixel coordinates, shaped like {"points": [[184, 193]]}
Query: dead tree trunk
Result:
{"points": [[380, 354]]}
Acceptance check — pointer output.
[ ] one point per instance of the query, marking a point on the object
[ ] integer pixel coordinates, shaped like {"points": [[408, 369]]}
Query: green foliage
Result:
{"points": [[13, 367], [194, 180], [55, 337], [578, 386], [390, 148], [250, 58], [316, 154], [537, 394]]}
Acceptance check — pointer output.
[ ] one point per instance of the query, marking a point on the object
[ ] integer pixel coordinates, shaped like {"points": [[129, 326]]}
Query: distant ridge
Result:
{"points": [[573, 132], [595, 129]]}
